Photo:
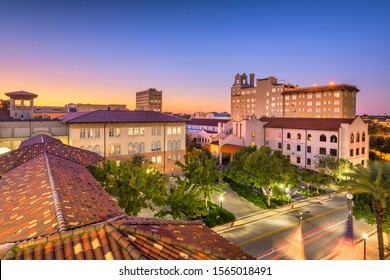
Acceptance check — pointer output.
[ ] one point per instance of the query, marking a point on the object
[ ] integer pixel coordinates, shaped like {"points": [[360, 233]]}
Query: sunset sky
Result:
{"points": [[105, 51]]}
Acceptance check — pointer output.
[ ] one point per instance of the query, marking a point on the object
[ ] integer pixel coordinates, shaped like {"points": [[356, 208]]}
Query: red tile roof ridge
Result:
{"points": [[57, 206]]}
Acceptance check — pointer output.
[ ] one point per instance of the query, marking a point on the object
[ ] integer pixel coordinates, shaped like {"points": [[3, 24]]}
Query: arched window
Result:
{"points": [[90, 148], [309, 137], [352, 138], [298, 148], [117, 150], [288, 147], [299, 136], [333, 139], [131, 148], [322, 138], [178, 144], [288, 135], [357, 137], [363, 137], [142, 147], [97, 149], [111, 149], [136, 148]]}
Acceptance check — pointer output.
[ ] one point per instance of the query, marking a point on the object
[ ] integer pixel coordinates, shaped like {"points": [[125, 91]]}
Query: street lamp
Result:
{"points": [[300, 216], [365, 236], [350, 202], [221, 199]]}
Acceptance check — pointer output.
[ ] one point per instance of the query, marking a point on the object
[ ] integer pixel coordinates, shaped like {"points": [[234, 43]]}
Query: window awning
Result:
{"points": [[231, 149]]}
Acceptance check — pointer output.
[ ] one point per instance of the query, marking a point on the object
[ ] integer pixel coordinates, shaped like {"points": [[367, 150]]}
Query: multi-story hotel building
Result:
{"points": [[120, 135], [254, 101], [270, 98], [149, 100], [332, 101]]}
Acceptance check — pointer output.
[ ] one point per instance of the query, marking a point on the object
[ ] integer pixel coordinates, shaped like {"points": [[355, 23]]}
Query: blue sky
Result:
{"points": [[105, 51]]}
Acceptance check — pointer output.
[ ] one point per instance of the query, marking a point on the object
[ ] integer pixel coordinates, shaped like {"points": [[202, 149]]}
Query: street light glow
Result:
{"points": [[365, 235]]}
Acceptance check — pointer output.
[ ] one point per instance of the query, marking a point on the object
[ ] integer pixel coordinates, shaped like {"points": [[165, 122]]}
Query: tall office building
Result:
{"points": [[149, 100]]}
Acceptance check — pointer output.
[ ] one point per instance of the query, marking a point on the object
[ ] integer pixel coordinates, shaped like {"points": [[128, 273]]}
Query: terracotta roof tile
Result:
{"points": [[109, 242], [34, 147], [329, 124], [32, 205], [121, 116]]}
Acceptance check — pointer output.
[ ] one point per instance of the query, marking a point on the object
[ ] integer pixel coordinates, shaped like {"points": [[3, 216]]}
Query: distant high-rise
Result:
{"points": [[149, 100]]}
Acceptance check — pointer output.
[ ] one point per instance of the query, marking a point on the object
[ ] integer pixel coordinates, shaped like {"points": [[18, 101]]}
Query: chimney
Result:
{"points": [[251, 80]]}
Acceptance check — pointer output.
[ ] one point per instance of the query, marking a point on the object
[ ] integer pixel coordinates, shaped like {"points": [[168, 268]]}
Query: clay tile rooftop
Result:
{"points": [[51, 208], [119, 116]]}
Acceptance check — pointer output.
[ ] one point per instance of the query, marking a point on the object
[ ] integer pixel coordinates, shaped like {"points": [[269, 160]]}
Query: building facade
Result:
{"points": [[306, 141], [270, 98], [332, 101], [149, 100], [204, 130], [250, 100], [119, 135]]}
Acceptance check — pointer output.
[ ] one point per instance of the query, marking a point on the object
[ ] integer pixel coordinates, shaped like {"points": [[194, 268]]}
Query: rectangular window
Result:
{"points": [[156, 131], [298, 159], [279, 145], [82, 133], [97, 132], [142, 131], [169, 130], [357, 151], [136, 131], [333, 152], [131, 131], [158, 159], [308, 161], [154, 160], [322, 151], [351, 152], [117, 132], [89, 133], [363, 151], [309, 149], [111, 132]]}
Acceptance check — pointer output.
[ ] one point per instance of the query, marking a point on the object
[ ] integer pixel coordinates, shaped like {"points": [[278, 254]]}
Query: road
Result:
{"points": [[282, 237]]}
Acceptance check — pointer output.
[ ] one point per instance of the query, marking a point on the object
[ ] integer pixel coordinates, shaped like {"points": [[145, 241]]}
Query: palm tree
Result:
{"points": [[375, 181]]}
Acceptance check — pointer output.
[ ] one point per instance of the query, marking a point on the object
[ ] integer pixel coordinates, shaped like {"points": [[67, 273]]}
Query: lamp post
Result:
{"points": [[365, 236], [350, 202], [221, 199]]}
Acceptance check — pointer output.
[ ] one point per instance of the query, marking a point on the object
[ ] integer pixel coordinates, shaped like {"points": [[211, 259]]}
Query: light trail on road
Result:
{"points": [[308, 237]]}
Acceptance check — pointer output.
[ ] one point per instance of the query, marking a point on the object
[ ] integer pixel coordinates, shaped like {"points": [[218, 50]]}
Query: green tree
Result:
{"points": [[364, 209], [200, 168], [316, 178], [135, 184], [269, 170], [235, 170], [373, 180], [334, 167], [183, 198]]}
